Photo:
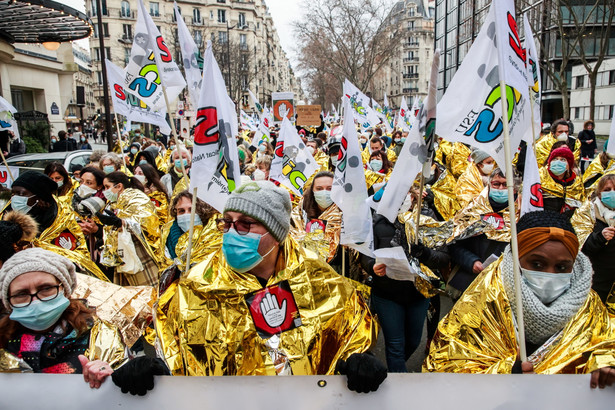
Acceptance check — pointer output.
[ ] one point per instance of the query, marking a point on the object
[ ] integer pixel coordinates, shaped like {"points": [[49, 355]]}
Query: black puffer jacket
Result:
{"points": [[600, 253]]}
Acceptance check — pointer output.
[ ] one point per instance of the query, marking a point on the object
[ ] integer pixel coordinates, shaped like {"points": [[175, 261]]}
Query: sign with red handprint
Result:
{"points": [[67, 241], [273, 309]]}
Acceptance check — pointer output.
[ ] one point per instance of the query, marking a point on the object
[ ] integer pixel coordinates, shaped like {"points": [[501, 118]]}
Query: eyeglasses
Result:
{"points": [[45, 294], [497, 185], [241, 226]]}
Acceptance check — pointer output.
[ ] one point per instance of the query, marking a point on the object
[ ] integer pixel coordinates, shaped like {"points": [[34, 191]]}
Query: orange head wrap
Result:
{"points": [[532, 238]]}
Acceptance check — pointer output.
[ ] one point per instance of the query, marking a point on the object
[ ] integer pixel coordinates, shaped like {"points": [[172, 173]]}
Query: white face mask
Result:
{"points": [[546, 286], [258, 175], [334, 161], [487, 169], [85, 191], [562, 137], [141, 178], [323, 198], [310, 150]]}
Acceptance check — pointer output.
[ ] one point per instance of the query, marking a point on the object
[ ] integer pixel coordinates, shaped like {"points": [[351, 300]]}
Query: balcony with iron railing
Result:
{"points": [[411, 75], [410, 90]]}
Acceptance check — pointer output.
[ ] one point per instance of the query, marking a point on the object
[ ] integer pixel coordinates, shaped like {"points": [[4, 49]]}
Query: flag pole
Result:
{"points": [[419, 204], [513, 223], [191, 230], [119, 138]]}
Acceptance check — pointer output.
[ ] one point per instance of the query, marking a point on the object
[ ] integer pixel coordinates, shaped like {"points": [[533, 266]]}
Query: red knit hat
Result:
{"points": [[563, 152]]}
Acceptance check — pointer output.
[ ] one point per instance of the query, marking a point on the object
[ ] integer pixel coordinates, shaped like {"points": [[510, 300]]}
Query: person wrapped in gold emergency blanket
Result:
{"points": [[567, 328], [132, 226], [259, 306]]}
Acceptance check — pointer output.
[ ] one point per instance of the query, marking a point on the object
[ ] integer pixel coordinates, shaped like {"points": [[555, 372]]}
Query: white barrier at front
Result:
{"points": [[411, 391]]}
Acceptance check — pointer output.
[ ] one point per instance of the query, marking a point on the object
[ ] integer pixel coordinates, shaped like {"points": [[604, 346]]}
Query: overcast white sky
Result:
{"points": [[284, 12]]}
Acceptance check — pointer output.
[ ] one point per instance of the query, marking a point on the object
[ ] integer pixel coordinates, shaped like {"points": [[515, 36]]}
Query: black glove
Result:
{"points": [[137, 376], [420, 251], [109, 218], [365, 373]]}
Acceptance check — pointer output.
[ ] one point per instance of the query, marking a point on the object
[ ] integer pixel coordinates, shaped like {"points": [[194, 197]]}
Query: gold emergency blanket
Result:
{"points": [[574, 194], [595, 171], [478, 335], [469, 185], [205, 240], [455, 157], [65, 238], [583, 221], [160, 201], [139, 216], [310, 235], [445, 199], [372, 178], [478, 217], [204, 326], [129, 308], [544, 145], [105, 344]]}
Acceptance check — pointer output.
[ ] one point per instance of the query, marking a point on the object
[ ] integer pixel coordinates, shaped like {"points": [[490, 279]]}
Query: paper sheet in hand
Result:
{"points": [[397, 264]]}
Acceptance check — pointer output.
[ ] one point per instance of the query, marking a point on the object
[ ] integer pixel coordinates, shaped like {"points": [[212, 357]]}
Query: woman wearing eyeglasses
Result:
{"points": [[482, 229], [130, 209], [46, 331]]}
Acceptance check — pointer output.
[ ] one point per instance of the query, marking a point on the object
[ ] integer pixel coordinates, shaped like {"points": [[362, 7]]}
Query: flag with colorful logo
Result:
{"points": [[403, 116], [151, 66], [7, 119], [130, 106], [292, 164], [192, 58], [532, 188], [470, 110], [215, 162], [359, 105], [349, 191], [388, 113], [259, 107], [381, 114], [247, 122]]}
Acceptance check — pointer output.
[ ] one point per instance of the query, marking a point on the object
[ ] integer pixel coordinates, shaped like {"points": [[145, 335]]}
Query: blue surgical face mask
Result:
{"points": [[403, 139], [558, 167], [60, 183], [40, 315], [375, 164], [183, 221], [546, 286], [20, 203], [108, 169], [178, 164], [499, 196], [323, 198], [241, 251], [53, 140], [110, 195], [608, 198], [143, 162], [134, 151], [82, 139]]}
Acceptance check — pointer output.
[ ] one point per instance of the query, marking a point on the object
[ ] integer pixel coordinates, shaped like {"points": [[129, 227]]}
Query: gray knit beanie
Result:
{"points": [[266, 203], [37, 260], [479, 156]]}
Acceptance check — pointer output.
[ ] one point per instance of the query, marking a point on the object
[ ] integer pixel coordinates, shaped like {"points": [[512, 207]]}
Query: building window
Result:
{"points": [[612, 77], [179, 10], [103, 6], [221, 1], [154, 9], [100, 77], [125, 10], [127, 32], [198, 37], [577, 113], [579, 81], [242, 19], [221, 16], [243, 42], [126, 55], [105, 30], [196, 16], [222, 38]]}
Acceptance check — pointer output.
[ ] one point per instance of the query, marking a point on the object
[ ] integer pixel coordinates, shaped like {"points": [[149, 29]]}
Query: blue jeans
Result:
{"points": [[402, 326]]}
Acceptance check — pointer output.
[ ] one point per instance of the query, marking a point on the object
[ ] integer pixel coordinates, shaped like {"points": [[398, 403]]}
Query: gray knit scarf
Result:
{"points": [[542, 322]]}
